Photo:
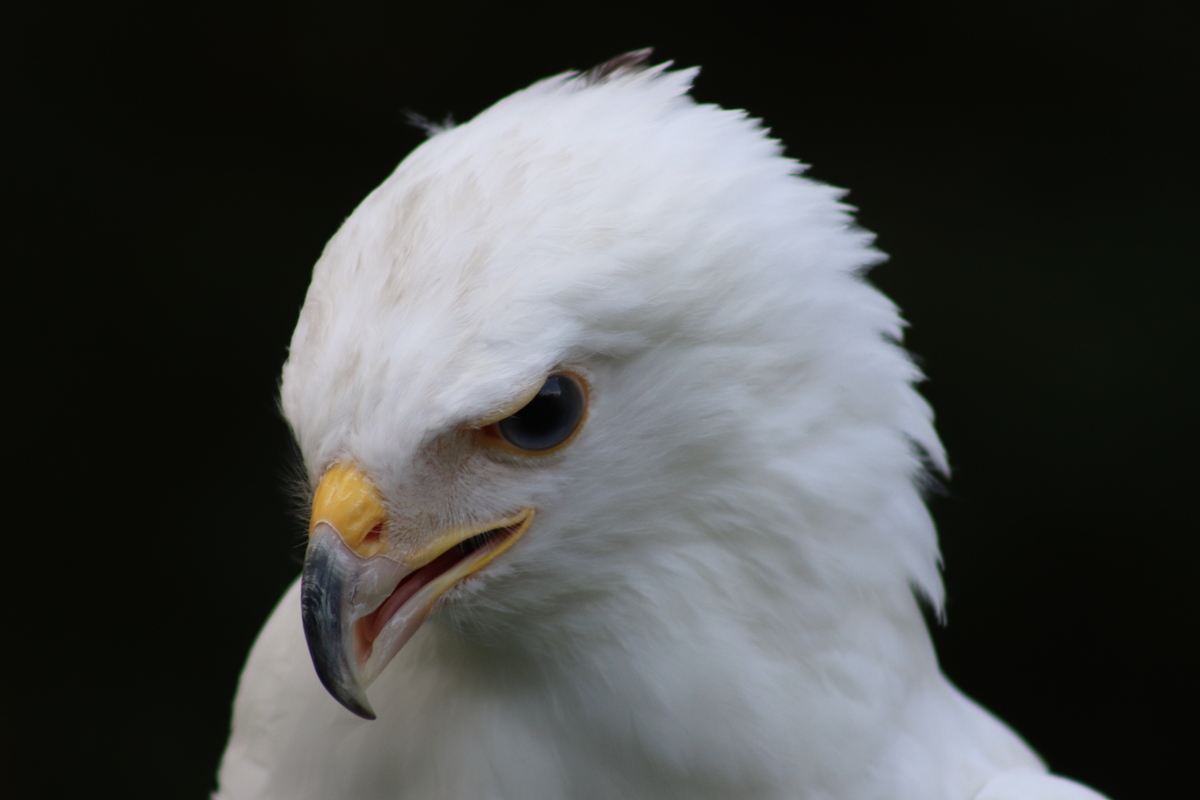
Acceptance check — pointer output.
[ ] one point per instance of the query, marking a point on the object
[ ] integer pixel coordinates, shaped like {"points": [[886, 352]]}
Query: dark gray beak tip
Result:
{"points": [[327, 627]]}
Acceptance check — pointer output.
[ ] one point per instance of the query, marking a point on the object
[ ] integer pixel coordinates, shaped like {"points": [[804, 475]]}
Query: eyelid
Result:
{"points": [[512, 407], [492, 437]]}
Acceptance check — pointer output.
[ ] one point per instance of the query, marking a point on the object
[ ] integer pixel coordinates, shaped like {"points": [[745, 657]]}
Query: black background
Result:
{"points": [[177, 169]]}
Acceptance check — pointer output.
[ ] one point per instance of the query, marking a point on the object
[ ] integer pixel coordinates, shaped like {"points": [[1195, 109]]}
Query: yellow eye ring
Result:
{"points": [[547, 422]]}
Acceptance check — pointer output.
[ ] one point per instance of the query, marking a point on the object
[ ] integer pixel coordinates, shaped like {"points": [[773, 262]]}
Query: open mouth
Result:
{"points": [[421, 587], [360, 608]]}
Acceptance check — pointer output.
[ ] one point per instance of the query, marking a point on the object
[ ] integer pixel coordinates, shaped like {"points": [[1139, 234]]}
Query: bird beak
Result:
{"points": [[362, 595]]}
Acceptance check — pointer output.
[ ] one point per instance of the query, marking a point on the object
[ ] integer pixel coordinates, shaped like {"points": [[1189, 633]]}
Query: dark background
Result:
{"points": [[177, 169]]}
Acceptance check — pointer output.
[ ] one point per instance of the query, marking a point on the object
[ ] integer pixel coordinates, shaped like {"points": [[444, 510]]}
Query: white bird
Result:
{"points": [[594, 382]]}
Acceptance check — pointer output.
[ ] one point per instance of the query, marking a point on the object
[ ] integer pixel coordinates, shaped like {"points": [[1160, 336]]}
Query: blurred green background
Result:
{"points": [[177, 168]]}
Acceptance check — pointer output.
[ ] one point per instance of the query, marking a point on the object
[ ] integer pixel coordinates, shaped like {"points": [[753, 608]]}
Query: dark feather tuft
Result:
{"points": [[625, 64]]}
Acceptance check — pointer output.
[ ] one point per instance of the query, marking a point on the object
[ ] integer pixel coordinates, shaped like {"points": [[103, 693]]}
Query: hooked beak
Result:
{"points": [[363, 596]]}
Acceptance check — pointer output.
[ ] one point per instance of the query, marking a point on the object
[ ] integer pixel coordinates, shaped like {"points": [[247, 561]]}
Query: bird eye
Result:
{"points": [[548, 419]]}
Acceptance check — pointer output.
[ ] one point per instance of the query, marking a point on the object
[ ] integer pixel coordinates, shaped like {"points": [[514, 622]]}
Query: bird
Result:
{"points": [[616, 472]]}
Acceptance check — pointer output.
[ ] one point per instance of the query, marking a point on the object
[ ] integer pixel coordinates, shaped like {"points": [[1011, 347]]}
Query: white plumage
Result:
{"points": [[715, 598]]}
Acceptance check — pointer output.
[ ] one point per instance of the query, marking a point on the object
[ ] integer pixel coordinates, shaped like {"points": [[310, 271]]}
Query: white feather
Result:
{"points": [[717, 597]]}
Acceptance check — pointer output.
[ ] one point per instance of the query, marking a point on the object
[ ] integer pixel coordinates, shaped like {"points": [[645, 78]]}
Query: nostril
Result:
{"points": [[373, 535]]}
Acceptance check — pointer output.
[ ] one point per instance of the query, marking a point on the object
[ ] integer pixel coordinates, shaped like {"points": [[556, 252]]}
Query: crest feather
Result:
{"points": [[625, 64]]}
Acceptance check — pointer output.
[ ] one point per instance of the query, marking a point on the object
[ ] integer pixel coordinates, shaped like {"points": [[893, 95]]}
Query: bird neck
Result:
{"points": [[695, 672]]}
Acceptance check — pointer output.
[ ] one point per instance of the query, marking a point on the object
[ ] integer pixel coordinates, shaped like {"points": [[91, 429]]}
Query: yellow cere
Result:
{"points": [[348, 501]]}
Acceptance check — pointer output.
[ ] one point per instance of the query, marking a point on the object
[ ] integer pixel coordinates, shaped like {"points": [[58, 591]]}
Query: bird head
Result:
{"points": [[599, 342]]}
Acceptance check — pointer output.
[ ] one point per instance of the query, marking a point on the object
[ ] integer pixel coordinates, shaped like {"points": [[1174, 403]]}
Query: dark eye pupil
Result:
{"points": [[549, 418]]}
